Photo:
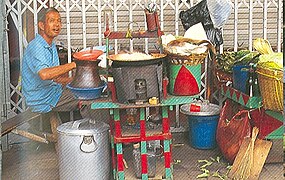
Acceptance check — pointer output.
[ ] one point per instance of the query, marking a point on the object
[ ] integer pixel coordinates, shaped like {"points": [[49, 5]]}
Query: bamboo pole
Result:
{"points": [[29, 135]]}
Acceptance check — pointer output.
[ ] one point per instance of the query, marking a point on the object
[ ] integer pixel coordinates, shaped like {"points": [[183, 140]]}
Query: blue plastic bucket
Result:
{"points": [[202, 125], [202, 131], [240, 76]]}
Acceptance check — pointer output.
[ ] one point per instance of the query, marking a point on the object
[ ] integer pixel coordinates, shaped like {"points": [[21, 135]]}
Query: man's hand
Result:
{"points": [[65, 78]]}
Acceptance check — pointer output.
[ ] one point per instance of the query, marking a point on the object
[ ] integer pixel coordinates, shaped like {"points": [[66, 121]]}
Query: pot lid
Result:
{"points": [[83, 127], [206, 109], [88, 55]]}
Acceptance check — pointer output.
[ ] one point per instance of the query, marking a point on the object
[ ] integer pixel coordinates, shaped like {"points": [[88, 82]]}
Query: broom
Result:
{"points": [[244, 168]]}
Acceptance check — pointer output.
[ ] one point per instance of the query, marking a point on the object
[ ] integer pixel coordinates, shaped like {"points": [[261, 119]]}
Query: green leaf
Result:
{"points": [[218, 159], [204, 160], [203, 175], [217, 174], [206, 164], [212, 159]]}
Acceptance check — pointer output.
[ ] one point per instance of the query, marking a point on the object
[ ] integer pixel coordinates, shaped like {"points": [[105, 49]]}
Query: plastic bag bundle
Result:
{"points": [[215, 36], [211, 16], [196, 14], [220, 11]]}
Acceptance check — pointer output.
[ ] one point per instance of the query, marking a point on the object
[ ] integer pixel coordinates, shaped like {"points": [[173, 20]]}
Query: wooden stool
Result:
{"points": [[12, 124]]}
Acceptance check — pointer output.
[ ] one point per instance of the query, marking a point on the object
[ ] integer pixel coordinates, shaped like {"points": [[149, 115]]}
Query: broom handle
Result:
{"points": [[251, 160], [254, 134]]}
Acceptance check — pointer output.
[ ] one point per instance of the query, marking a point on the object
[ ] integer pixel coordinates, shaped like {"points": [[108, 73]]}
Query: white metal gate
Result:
{"points": [[83, 25]]}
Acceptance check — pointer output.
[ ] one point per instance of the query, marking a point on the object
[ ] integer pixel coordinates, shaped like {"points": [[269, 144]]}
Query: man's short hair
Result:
{"points": [[43, 12]]}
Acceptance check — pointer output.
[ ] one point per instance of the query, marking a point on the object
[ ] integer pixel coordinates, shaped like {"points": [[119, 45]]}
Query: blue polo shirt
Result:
{"points": [[40, 95]]}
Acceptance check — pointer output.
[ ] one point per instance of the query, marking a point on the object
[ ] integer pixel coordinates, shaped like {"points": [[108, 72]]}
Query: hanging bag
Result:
{"points": [[233, 126]]}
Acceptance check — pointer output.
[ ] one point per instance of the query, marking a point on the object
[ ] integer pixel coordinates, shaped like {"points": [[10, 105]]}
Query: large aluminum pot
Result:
{"points": [[84, 150]]}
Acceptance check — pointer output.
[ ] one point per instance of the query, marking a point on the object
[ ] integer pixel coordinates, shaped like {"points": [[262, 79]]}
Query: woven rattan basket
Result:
{"points": [[271, 88], [192, 58]]}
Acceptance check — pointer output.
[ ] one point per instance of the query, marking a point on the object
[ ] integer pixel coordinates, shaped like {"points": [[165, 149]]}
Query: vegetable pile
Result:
{"points": [[213, 168], [227, 60], [268, 58], [272, 61]]}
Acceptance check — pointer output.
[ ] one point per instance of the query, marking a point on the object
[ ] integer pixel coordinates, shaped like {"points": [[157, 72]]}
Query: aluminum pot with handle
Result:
{"points": [[84, 150]]}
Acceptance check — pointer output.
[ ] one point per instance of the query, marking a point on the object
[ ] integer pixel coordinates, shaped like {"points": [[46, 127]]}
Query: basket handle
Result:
{"points": [[267, 75]]}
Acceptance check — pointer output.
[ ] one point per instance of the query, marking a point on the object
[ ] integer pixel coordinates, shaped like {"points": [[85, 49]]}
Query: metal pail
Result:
{"points": [[84, 150]]}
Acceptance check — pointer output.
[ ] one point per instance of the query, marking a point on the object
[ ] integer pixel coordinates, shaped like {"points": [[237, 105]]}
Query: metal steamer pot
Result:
{"points": [[118, 62], [84, 150]]}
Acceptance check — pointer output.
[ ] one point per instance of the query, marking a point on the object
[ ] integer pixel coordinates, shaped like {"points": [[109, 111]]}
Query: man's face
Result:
{"points": [[52, 25]]}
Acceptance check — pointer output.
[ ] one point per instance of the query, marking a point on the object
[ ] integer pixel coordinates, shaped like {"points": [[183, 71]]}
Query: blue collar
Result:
{"points": [[44, 43]]}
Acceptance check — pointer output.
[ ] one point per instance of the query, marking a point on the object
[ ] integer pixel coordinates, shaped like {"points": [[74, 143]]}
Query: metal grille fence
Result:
{"points": [[83, 26]]}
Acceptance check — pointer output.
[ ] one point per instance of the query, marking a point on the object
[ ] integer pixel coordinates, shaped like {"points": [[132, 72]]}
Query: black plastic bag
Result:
{"points": [[215, 36], [200, 13], [196, 14]]}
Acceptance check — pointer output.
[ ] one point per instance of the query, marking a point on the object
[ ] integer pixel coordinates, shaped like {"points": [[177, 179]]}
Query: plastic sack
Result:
{"points": [[196, 14], [215, 36], [213, 14], [233, 126], [220, 11]]}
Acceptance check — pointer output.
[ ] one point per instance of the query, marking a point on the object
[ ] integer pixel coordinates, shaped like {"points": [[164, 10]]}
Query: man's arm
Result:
{"points": [[65, 78], [53, 72]]}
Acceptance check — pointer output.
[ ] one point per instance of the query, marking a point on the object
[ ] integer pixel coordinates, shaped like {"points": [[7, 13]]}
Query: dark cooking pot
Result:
{"points": [[87, 73], [119, 62]]}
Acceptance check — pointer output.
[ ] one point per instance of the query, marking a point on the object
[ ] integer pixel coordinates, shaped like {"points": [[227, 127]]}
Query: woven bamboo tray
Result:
{"points": [[271, 88], [192, 58]]}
